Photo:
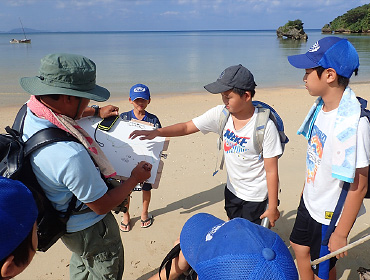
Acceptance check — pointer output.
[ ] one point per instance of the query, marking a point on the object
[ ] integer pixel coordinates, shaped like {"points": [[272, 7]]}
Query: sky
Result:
{"points": [[157, 15]]}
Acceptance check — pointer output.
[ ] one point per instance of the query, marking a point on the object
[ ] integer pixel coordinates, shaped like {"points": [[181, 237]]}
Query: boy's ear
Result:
{"points": [[149, 100], [247, 95], [9, 268], [331, 75]]}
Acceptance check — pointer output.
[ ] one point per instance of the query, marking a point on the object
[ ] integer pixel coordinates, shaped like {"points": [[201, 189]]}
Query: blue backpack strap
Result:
{"points": [[336, 214], [365, 113]]}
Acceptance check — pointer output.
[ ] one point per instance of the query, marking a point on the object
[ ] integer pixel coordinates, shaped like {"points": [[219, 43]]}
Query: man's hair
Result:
{"points": [[342, 81], [21, 253], [241, 92]]}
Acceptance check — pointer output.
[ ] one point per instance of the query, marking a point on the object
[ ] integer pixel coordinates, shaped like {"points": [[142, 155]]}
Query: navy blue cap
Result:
{"points": [[139, 91], [329, 52], [236, 76]]}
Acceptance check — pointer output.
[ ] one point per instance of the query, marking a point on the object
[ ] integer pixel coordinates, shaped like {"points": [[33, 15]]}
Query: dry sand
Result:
{"points": [[187, 186]]}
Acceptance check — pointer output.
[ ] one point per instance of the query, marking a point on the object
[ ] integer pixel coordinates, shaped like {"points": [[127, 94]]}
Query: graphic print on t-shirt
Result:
{"points": [[314, 153], [234, 143]]}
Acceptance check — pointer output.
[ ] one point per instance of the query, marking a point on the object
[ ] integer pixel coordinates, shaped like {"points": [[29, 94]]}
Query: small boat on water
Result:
{"points": [[15, 41], [24, 41]]}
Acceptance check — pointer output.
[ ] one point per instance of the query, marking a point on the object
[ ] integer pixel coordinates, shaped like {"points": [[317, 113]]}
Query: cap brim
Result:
{"points": [[34, 86], [193, 233], [302, 61], [217, 87]]}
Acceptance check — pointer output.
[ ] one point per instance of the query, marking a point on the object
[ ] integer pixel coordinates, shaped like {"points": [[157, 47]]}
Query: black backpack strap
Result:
{"points": [[19, 119], [167, 261], [45, 137]]}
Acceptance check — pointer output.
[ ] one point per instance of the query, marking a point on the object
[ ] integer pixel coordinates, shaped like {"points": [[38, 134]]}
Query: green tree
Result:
{"points": [[355, 20]]}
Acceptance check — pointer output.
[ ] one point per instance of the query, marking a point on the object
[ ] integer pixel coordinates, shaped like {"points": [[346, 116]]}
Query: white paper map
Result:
{"points": [[124, 153]]}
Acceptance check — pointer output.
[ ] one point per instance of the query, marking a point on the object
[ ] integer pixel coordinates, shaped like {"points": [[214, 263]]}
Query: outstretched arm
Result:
{"points": [[355, 196], [179, 129]]}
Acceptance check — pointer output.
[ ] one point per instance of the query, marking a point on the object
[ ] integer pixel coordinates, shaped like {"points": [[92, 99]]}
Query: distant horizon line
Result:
{"points": [[33, 31]]}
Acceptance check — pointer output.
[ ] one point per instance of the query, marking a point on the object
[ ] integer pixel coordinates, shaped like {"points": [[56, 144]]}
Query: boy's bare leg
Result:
{"points": [[332, 275], [178, 267], [125, 222], [145, 212], [303, 257]]}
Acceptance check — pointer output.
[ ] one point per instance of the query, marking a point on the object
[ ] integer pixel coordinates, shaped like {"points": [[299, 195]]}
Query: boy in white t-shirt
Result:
{"points": [[338, 151], [252, 180]]}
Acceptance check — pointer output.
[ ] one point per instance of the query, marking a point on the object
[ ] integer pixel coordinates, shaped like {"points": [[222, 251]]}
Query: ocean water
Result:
{"points": [[169, 62]]}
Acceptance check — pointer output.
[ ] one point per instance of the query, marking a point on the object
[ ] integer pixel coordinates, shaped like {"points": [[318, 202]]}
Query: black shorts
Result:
{"points": [[239, 208], [308, 232], [147, 187], [143, 187]]}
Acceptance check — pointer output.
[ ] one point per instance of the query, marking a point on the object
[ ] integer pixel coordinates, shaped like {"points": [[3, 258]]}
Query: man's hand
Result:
{"points": [[103, 112], [108, 111], [144, 134], [142, 171]]}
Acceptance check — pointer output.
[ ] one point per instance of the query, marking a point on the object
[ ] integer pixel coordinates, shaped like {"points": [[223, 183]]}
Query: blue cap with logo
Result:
{"points": [[139, 91], [18, 213], [236, 249], [329, 52]]}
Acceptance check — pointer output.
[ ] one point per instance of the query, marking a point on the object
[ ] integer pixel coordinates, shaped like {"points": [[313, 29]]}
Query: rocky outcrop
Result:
{"points": [[292, 30], [326, 29]]}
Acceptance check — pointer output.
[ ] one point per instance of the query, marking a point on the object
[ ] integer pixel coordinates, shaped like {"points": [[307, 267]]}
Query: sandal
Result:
{"points": [[125, 227], [150, 219]]}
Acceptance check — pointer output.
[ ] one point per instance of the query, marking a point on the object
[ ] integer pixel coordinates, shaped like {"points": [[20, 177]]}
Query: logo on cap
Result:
{"points": [[315, 47], [221, 75], [139, 89], [210, 234]]}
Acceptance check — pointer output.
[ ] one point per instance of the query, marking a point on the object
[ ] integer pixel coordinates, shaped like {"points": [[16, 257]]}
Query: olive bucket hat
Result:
{"points": [[66, 74]]}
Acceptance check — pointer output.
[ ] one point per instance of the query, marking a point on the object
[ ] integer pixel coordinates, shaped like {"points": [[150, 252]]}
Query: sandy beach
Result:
{"points": [[187, 186]]}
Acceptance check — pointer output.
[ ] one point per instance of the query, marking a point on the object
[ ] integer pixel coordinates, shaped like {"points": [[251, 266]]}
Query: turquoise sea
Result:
{"points": [[169, 62]]}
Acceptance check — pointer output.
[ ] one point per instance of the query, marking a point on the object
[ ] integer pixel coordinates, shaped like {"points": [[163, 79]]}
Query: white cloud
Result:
{"points": [[170, 13], [182, 2], [18, 3]]}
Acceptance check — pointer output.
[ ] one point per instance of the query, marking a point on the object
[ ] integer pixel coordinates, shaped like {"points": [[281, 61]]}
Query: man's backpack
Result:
{"points": [[265, 112], [15, 164]]}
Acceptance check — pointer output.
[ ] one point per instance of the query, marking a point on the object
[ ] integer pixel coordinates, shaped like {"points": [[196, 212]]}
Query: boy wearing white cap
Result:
{"points": [[337, 158]]}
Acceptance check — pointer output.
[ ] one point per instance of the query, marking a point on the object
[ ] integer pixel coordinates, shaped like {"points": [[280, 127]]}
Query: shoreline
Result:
{"points": [[187, 186], [17, 98]]}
